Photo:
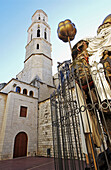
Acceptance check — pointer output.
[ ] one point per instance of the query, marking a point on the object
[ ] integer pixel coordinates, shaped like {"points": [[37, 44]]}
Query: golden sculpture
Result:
{"points": [[106, 22], [107, 19], [95, 89], [66, 31]]}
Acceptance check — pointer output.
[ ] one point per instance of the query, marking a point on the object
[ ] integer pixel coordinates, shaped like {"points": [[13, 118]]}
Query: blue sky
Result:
{"points": [[15, 18]]}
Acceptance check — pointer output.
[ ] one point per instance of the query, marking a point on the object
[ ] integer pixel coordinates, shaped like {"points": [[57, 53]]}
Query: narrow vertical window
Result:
{"points": [[39, 17], [23, 111], [38, 31], [43, 18], [31, 37], [31, 93], [45, 34], [25, 91], [37, 46]]}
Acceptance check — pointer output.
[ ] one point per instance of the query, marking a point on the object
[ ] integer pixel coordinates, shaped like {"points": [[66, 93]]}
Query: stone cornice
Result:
{"points": [[38, 54], [13, 79], [39, 22], [3, 93], [42, 101], [22, 94], [38, 39]]}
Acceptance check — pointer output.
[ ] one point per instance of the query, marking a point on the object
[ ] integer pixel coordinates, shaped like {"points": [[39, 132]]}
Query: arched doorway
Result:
{"points": [[20, 145]]}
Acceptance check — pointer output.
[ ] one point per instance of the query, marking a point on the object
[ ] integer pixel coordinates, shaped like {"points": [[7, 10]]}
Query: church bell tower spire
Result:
{"points": [[38, 62], [39, 32]]}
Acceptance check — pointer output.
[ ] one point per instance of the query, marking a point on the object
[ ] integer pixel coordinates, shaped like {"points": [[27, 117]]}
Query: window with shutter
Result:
{"points": [[23, 111]]}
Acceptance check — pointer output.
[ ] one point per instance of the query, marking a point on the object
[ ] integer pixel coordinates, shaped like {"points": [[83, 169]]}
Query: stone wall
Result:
{"points": [[44, 129], [45, 91], [13, 124], [37, 65], [3, 99], [13, 83]]}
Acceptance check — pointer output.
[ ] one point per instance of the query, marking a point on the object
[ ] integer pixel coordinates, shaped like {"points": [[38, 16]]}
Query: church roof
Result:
{"points": [[40, 11]]}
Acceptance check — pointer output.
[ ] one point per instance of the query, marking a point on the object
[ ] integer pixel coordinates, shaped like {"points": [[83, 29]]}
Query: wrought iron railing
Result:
{"points": [[81, 115]]}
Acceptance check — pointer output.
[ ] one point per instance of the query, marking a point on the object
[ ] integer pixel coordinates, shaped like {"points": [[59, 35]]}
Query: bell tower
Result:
{"points": [[38, 62]]}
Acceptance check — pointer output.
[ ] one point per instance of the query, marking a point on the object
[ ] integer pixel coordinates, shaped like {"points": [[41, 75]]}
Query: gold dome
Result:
{"points": [[107, 19], [106, 23]]}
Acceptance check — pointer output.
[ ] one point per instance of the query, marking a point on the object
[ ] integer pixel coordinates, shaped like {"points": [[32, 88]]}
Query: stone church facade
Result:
{"points": [[25, 117]]}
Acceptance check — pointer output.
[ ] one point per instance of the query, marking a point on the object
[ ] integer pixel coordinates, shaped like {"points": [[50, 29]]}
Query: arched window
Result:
{"points": [[25, 91], [45, 34], [43, 18], [18, 89], [38, 31], [39, 17], [31, 93], [37, 46]]}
